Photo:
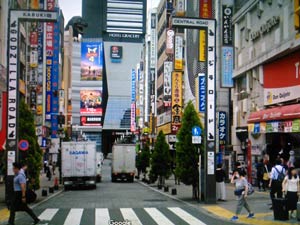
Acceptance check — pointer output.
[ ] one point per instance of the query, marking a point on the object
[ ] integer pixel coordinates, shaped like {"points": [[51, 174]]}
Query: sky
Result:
{"points": [[72, 8]]}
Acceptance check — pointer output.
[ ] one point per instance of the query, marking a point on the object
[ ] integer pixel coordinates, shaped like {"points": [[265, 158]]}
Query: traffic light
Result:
{"points": [[297, 16]]}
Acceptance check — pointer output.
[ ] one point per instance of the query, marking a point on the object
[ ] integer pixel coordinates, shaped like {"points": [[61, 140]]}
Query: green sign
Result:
{"points": [[296, 125]]}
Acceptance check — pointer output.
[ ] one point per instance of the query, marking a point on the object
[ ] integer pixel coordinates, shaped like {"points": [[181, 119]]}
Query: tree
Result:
{"points": [[33, 156], [145, 159], [187, 157], [160, 160]]}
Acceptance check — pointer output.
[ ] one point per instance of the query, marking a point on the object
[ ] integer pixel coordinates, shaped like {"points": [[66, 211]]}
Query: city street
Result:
{"points": [[116, 201]]}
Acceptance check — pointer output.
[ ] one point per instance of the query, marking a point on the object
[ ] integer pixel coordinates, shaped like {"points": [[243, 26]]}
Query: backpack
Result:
{"points": [[281, 175]]}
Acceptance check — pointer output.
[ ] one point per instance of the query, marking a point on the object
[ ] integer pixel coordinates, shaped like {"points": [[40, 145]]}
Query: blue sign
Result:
{"points": [[196, 131], [23, 145], [256, 128], [54, 82], [227, 67], [44, 142], [222, 128], [202, 93], [133, 85]]}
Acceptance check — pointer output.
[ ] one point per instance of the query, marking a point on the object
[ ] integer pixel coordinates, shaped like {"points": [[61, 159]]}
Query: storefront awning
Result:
{"points": [[278, 113]]}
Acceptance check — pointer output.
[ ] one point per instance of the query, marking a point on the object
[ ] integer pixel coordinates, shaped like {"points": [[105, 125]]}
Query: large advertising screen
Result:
{"points": [[91, 61], [90, 102]]}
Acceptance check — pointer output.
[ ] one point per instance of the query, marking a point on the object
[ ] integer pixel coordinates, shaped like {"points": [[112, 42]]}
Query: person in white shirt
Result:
{"points": [[291, 187], [276, 179]]}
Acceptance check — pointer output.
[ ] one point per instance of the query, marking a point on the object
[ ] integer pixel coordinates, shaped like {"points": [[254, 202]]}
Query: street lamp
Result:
{"points": [[61, 135]]}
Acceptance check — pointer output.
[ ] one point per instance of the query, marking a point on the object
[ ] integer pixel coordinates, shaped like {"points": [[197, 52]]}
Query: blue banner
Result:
{"points": [[222, 128], [202, 93], [55, 82], [92, 61], [227, 67], [133, 84]]}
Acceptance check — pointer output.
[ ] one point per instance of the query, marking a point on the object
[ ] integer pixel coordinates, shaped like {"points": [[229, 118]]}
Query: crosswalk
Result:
{"points": [[133, 216]]}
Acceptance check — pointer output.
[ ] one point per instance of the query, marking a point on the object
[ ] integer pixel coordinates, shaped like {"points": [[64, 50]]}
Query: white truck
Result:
{"points": [[79, 166], [123, 162]]}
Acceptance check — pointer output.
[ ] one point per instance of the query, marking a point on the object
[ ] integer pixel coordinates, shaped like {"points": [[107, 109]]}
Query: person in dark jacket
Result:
{"points": [[260, 175], [220, 180]]}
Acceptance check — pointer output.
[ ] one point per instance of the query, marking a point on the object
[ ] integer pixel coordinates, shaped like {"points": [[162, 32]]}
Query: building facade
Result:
{"points": [[266, 80]]}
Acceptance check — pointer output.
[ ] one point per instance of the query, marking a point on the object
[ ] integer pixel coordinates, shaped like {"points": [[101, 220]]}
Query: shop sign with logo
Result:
{"points": [[222, 128], [276, 89], [296, 125], [116, 54]]}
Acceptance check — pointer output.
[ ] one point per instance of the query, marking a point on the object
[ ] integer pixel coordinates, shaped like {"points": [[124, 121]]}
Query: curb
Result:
{"points": [[46, 199], [200, 207]]}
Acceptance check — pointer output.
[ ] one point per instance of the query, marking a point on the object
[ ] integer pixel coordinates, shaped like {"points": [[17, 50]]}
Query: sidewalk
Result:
{"points": [[259, 203], [44, 184]]}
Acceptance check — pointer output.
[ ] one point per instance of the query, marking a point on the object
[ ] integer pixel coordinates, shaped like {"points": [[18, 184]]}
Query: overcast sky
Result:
{"points": [[72, 8]]}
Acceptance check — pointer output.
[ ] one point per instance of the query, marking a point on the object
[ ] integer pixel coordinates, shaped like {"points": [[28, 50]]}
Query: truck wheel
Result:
{"points": [[113, 178]]}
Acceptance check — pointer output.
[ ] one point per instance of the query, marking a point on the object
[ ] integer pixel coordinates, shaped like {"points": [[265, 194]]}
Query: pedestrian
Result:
{"points": [[220, 180], [54, 167], [290, 186], [49, 171], [19, 198], [260, 175], [241, 191], [276, 179], [267, 174]]}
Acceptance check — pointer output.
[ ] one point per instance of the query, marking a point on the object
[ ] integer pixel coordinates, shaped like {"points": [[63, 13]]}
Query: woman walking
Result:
{"points": [[291, 187], [241, 191]]}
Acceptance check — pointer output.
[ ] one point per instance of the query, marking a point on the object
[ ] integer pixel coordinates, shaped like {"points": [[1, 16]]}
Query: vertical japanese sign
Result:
{"points": [[202, 92], [202, 46], [227, 30], [176, 101], [222, 128], [133, 98], [54, 81], [205, 8], [91, 61], [178, 53], [227, 67], [153, 41], [168, 68], [170, 41]]}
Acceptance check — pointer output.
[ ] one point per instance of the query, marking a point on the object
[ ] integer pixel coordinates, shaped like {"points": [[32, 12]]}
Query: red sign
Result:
{"points": [[3, 129], [34, 39], [282, 79], [205, 9], [91, 120], [23, 145]]}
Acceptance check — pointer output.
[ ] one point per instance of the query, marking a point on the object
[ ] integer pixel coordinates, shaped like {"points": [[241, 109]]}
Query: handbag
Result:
{"points": [[266, 175], [30, 196], [238, 192]]}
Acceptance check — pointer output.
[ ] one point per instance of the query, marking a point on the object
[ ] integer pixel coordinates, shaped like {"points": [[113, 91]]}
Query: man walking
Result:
{"points": [[19, 199], [277, 177]]}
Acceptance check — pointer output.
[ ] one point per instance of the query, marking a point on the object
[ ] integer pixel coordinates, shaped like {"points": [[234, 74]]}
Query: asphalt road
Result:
{"points": [[117, 202]]}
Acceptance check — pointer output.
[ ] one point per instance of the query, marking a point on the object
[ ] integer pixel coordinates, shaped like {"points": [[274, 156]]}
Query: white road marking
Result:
{"points": [[158, 217], [129, 214], [74, 217], [102, 217], [186, 216], [48, 214]]}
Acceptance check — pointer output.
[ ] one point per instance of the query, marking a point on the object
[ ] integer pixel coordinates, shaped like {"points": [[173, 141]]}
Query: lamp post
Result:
{"points": [[61, 135]]}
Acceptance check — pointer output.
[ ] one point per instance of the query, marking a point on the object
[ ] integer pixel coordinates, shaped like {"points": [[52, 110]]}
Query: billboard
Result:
{"points": [[91, 121], [227, 67], [277, 89], [176, 101], [54, 81], [168, 68], [205, 9], [202, 92], [90, 102], [178, 53], [227, 29], [91, 61]]}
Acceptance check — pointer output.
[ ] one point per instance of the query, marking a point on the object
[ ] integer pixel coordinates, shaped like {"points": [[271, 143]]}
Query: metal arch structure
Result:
{"points": [[15, 16], [210, 116]]}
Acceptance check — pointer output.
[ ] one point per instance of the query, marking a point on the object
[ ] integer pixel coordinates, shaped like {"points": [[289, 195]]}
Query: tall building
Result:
{"points": [[121, 28], [266, 80]]}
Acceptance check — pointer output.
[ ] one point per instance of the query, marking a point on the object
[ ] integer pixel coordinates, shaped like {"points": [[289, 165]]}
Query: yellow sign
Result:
{"points": [[176, 101], [39, 109], [22, 87], [166, 129], [202, 45], [178, 64], [35, 4]]}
